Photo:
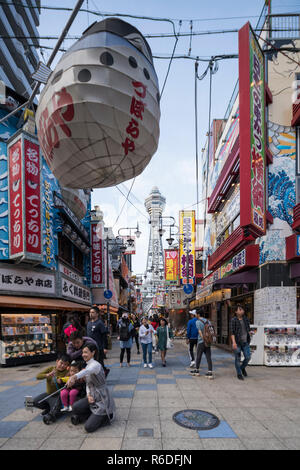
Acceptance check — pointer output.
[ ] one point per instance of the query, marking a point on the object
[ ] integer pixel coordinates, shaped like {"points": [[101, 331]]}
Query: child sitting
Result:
{"points": [[69, 395], [51, 407]]}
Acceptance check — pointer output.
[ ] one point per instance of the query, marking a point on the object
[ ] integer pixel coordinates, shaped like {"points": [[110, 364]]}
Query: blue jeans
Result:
{"points": [[147, 348], [245, 348]]}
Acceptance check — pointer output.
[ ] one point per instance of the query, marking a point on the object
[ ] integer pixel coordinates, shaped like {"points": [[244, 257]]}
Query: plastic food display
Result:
{"points": [[98, 115], [25, 336]]}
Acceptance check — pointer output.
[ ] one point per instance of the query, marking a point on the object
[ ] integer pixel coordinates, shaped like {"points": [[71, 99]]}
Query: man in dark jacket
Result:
{"points": [[240, 337], [97, 330], [192, 335]]}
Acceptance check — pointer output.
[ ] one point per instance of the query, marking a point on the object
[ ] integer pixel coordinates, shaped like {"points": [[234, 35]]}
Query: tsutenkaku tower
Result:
{"points": [[155, 204]]}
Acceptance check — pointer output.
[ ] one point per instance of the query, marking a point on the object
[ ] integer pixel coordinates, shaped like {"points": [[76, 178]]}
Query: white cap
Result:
{"points": [[193, 312]]}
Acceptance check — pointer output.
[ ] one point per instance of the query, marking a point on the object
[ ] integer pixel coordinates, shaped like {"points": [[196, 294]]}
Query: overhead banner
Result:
{"points": [[171, 267], [25, 214], [97, 252], [187, 247], [252, 131], [130, 249]]}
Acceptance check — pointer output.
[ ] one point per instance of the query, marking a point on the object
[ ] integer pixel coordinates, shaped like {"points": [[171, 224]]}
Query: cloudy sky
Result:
{"points": [[173, 166]]}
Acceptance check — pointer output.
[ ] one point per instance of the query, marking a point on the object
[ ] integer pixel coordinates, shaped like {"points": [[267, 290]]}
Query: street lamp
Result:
{"points": [[137, 232]]}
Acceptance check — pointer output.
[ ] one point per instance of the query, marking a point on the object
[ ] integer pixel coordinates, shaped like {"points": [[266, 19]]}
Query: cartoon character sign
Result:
{"points": [[98, 115]]}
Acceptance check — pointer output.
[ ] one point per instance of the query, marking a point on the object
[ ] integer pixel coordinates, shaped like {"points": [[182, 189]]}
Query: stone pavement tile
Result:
{"points": [[292, 443], [172, 402], [132, 428], [235, 414], [123, 393], [4, 388], [146, 387], [222, 444], [145, 394], [23, 444], [263, 414], [146, 380], [123, 402], [142, 443], [283, 429], [122, 413], [170, 429], [182, 444], [149, 414], [101, 443], [63, 429], [144, 402], [264, 444], [248, 429], [147, 372], [63, 443], [11, 428], [3, 440], [167, 413], [22, 415], [124, 387]]}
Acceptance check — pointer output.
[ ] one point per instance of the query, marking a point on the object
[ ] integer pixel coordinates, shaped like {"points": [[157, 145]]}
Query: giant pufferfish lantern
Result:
{"points": [[98, 115]]}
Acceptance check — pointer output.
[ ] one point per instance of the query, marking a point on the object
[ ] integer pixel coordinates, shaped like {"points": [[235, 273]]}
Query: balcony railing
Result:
{"points": [[234, 242]]}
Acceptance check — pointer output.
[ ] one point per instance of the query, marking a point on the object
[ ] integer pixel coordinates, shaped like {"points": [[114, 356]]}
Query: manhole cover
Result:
{"points": [[196, 419]]}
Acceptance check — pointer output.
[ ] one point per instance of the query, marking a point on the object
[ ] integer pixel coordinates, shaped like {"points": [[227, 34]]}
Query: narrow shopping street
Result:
{"points": [[261, 412]]}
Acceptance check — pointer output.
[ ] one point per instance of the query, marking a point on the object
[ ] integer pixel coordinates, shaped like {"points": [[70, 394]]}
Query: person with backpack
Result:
{"points": [[192, 336], [126, 332], [206, 337]]}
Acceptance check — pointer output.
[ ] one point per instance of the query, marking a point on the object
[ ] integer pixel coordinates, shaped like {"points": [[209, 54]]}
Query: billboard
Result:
{"points": [[25, 214], [97, 252], [252, 131], [187, 247], [171, 266]]}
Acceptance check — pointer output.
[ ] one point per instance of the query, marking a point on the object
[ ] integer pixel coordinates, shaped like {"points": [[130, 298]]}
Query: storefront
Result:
{"points": [[30, 328]]}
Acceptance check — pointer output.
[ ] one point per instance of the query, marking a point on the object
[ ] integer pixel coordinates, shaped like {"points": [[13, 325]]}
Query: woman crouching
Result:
{"points": [[98, 407]]}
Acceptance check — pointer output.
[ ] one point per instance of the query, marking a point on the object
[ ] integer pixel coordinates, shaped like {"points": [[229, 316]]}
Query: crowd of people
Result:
{"points": [[77, 382]]}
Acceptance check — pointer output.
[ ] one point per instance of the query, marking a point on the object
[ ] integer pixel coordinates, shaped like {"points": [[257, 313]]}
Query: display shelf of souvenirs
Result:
{"points": [[26, 336]]}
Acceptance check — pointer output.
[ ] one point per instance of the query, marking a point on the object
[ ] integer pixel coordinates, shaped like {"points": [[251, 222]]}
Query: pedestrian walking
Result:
{"points": [[145, 333], [76, 345], [240, 337], [202, 347], [155, 324], [126, 332], [192, 336], [97, 330], [163, 335], [98, 407], [136, 325]]}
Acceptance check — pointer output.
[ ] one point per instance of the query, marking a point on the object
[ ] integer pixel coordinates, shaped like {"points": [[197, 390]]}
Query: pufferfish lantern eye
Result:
{"points": [[106, 58]]}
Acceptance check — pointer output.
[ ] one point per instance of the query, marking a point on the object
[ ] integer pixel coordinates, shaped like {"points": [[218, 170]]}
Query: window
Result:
{"points": [[64, 248], [78, 259]]}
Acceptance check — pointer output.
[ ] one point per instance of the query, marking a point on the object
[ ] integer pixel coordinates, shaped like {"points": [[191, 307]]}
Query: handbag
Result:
{"points": [[169, 342]]}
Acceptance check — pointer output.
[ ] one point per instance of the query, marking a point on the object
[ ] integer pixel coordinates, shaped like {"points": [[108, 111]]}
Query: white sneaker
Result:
{"points": [[150, 366], [65, 408], [70, 408], [145, 365], [192, 364]]}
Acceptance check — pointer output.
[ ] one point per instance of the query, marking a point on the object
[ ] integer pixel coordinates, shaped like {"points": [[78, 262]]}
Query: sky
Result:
{"points": [[173, 167]]}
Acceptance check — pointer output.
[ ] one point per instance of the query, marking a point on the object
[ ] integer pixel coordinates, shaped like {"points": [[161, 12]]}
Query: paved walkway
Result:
{"points": [[262, 412]]}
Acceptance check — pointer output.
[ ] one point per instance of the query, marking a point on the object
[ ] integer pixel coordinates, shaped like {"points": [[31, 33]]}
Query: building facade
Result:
{"points": [[19, 40], [251, 179]]}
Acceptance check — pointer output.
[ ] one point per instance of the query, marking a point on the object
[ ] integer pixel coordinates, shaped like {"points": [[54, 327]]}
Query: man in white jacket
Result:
{"points": [[145, 333]]}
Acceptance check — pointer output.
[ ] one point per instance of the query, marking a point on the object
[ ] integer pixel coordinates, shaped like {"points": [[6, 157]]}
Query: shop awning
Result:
{"points": [[238, 279], [295, 271], [41, 303]]}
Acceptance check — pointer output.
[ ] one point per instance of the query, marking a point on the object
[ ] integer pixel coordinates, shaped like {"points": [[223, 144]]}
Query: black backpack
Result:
{"points": [[124, 331]]}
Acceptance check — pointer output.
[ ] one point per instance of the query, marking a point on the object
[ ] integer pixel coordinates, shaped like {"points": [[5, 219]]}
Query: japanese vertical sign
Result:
{"points": [[97, 261], [32, 172], [171, 266], [187, 247], [15, 209], [252, 131], [25, 233]]}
